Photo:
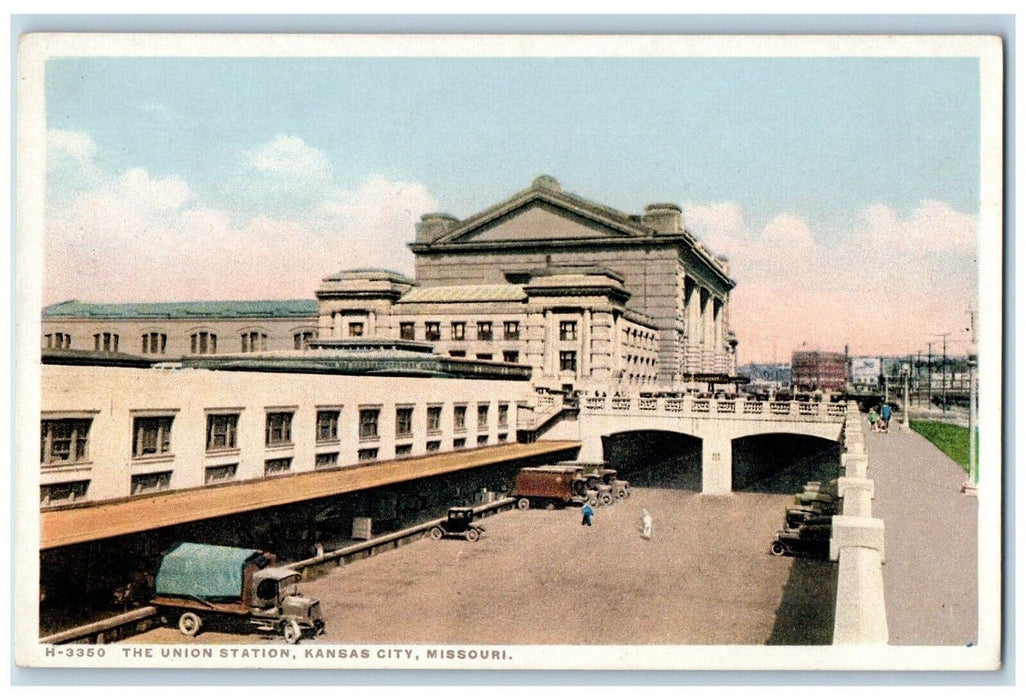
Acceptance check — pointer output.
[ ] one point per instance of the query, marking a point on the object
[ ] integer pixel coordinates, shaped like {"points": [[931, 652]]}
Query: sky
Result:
{"points": [[845, 191]]}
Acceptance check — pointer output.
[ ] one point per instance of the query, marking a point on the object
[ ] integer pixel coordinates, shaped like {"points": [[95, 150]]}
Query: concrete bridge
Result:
{"points": [[716, 422]]}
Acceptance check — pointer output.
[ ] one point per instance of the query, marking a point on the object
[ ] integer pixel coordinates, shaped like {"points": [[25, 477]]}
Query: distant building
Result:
{"points": [[819, 371]]}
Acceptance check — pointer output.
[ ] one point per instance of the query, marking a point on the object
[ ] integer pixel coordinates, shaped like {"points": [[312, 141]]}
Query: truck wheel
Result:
{"points": [[777, 549], [473, 535], [605, 499], [436, 533], [291, 632], [592, 500], [190, 624], [523, 504], [621, 494]]}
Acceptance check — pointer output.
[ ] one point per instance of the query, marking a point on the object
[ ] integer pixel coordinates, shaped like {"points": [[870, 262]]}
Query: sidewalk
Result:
{"points": [[930, 573]]}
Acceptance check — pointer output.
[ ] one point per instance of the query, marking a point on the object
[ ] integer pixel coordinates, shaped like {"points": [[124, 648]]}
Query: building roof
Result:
{"points": [[463, 293], [278, 308], [368, 273]]}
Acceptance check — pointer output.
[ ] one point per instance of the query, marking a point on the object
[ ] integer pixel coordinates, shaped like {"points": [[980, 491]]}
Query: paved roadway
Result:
{"points": [[930, 576], [539, 577]]}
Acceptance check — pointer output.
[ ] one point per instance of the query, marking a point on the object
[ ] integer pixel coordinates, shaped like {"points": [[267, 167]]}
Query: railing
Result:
{"points": [[720, 408], [533, 417], [139, 620]]}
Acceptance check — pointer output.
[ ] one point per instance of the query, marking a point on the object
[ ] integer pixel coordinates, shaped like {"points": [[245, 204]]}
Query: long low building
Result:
{"points": [[124, 432]]}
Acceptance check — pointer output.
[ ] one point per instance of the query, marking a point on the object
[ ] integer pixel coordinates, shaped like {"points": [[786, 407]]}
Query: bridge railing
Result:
{"points": [[719, 408]]}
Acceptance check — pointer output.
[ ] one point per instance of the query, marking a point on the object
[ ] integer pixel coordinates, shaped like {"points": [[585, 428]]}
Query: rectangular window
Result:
{"points": [[503, 415], [403, 450], [223, 472], [254, 341], [326, 460], [279, 429], [277, 466], [482, 416], [567, 361], [459, 443], [221, 431], [511, 356], [327, 426], [502, 437], [369, 423], [484, 330], [404, 421], [367, 455], [484, 356], [434, 419], [203, 343], [301, 340], [68, 492], [105, 342], [568, 330], [482, 439], [407, 330], [150, 483], [457, 353], [154, 343], [459, 330], [152, 436], [355, 329], [434, 446], [511, 330], [65, 440], [459, 418], [432, 330]]}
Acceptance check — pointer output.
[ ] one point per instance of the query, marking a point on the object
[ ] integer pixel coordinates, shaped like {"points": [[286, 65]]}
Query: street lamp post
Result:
{"points": [[974, 474]]}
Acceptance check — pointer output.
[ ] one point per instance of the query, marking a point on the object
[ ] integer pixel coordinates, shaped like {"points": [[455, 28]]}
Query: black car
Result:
{"points": [[459, 523], [811, 539]]}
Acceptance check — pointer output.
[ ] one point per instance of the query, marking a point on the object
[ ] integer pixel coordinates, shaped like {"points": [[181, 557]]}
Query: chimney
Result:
{"points": [[434, 225], [664, 218]]}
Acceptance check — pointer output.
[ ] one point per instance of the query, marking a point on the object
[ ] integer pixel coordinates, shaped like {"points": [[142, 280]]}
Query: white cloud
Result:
{"points": [[70, 165], [291, 158]]}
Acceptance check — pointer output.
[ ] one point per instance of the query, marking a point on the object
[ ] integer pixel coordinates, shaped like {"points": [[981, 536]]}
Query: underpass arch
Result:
{"points": [[781, 461], [653, 457]]}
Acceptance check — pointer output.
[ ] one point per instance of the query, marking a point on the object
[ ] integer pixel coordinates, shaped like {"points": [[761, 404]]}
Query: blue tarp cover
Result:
{"points": [[203, 571]]}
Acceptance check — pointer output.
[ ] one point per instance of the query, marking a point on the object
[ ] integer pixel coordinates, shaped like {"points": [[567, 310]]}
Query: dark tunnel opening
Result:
{"points": [[783, 462], [656, 458]]}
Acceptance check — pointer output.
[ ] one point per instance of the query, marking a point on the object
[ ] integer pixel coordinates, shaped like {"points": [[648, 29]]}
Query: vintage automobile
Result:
{"points": [[621, 487], [458, 523], [797, 515], [552, 486], [197, 582], [811, 539]]}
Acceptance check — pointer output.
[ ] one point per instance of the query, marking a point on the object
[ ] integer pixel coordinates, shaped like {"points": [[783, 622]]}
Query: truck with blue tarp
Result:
{"points": [[198, 582]]}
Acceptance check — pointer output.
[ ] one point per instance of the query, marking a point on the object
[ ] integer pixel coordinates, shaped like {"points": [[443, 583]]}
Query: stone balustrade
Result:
{"points": [[691, 406]]}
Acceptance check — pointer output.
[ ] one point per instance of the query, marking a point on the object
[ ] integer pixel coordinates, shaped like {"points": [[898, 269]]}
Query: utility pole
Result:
{"points": [[919, 376], [944, 369], [929, 374]]}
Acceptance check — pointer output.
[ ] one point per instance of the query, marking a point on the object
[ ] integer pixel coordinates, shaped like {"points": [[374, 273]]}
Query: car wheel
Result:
{"points": [[621, 494], [473, 535], [523, 504], [436, 533], [593, 501], [605, 499], [291, 632], [190, 624], [777, 549]]}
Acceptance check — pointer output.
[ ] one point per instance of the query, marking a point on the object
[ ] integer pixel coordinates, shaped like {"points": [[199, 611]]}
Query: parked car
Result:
{"points": [[197, 582], [458, 523], [552, 486], [810, 539]]}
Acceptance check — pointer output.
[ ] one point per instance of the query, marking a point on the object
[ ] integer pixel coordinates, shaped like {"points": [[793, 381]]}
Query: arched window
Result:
{"points": [[254, 341], [105, 342], [203, 343], [154, 343]]}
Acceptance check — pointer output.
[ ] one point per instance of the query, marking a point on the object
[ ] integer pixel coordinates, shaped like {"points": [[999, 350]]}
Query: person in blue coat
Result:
{"points": [[587, 512], [885, 416]]}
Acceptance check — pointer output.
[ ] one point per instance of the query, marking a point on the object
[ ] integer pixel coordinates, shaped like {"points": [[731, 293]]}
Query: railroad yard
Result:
{"points": [[540, 577]]}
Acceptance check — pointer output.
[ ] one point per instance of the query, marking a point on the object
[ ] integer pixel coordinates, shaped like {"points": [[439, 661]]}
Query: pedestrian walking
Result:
{"points": [[587, 512], [646, 525], [874, 419], [885, 416]]}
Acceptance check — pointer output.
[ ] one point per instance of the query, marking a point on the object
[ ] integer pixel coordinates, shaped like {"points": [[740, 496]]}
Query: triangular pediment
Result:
{"points": [[539, 220]]}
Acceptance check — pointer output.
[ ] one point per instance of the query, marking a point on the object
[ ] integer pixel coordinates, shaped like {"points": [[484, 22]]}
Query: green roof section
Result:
{"points": [[283, 308]]}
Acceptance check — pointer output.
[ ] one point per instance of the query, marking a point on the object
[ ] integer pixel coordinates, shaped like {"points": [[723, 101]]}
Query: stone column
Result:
{"points": [[857, 544], [337, 317], [584, 367], [717, 466], [371, 323], [550, 345]]}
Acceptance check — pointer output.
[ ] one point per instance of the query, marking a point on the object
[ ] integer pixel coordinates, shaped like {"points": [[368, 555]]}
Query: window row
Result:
{"points": [[155, 343], [511, 356], [66, 440], [458, 330]]}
